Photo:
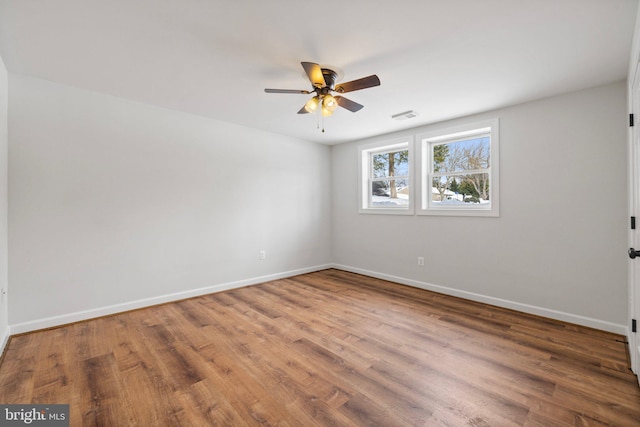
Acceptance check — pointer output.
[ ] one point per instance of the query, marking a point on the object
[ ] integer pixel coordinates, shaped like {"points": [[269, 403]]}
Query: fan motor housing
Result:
{"points": [[330, 77]]}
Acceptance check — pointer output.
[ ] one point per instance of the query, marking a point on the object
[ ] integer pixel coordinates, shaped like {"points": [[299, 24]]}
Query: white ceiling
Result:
{"points": [[441, 58]]}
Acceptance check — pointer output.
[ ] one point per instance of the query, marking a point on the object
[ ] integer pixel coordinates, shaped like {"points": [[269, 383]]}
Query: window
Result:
{"points": [[385, 173], [459, 171]]}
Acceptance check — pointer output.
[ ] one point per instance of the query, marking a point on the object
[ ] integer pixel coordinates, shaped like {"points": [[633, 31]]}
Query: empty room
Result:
{"points": [[338, 213]]}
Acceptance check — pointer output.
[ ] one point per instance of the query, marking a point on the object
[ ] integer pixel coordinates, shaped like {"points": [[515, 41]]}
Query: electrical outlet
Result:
{"points": [[262, 255], [420, 260]]}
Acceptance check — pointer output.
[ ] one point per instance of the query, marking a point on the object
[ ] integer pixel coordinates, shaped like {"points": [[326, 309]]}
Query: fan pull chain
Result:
{"points": [[320, 117]]}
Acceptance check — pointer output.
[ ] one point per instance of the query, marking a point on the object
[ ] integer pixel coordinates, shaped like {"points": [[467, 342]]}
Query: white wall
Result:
{"points": [[559, 246], [4, 308], [115, 204]]}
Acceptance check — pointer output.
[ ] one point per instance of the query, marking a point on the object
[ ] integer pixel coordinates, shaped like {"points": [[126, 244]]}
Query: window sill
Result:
{"points": [[460, 212], [383, 211]]}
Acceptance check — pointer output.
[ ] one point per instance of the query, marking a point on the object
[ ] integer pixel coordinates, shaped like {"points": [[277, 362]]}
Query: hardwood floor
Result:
{"points": [[326, 348]]}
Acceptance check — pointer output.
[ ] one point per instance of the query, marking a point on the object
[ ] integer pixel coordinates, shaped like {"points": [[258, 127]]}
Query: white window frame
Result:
{"points": [[365, 175], [427, 140]]}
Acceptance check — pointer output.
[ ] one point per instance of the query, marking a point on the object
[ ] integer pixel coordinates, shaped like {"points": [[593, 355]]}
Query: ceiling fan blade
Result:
{"points": [[286, 91], [362, 83], [314, 72], [348, 104], [303, 110]]}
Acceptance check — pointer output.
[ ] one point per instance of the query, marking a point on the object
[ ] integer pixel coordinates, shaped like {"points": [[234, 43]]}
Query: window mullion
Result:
{"points": [[462, 173]]}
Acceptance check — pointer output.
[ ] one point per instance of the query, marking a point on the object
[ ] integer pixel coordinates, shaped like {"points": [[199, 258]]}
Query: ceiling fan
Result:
{"points": [[324, 83]]}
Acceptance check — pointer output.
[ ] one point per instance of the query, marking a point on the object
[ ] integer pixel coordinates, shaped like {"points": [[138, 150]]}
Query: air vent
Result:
{"points": [[406, 115]]}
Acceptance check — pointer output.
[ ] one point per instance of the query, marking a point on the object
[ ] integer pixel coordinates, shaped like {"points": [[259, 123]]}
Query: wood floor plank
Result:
{"points": [[17, 373], [51, 377], [325, 348]]}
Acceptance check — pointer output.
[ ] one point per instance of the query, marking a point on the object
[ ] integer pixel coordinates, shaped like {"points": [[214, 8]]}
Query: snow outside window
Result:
{"points": [[386, 176], [459, 171]]}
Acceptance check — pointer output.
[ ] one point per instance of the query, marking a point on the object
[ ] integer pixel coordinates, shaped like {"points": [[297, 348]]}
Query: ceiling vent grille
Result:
{"points": [[405, 115]]}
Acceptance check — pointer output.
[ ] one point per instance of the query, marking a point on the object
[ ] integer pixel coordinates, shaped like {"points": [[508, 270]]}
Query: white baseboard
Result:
{"points": [[64, 319], [526, 308], [54, 321]]}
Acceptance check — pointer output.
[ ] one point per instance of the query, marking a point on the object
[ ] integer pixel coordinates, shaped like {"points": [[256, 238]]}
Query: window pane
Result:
{"points": [[390, 193], [458, 156], [390, 164], [472, 189]]}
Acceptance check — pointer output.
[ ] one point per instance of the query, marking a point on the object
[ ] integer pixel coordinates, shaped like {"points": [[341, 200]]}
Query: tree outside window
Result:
{"points": [[390, 175], [460, 171], [386, 178]]}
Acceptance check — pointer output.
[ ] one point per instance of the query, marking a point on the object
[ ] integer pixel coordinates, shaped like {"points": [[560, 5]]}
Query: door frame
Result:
{"points": [[633, 178]]}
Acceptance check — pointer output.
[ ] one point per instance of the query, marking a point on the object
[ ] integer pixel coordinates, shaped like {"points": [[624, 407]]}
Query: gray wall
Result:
{"points": [[558, 247], [115, 204], [4, 309]]}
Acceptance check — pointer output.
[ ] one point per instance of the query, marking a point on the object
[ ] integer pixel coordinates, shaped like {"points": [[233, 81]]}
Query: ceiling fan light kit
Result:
{"points": [[323, 81], [312, 104]]}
